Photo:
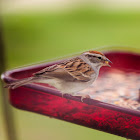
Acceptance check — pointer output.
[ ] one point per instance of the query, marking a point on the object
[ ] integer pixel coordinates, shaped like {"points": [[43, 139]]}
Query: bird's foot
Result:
{"points": [[84, 96]]}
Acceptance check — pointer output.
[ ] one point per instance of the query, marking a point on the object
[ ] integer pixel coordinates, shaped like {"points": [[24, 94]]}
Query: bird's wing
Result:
{"points": [[79, 69], [71, 70]]}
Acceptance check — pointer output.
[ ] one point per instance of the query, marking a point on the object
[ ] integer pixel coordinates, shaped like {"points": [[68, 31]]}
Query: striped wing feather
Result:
{"points": [[71, 70]]}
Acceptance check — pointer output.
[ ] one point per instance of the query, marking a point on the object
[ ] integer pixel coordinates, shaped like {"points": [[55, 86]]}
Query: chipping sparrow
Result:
{"points": [[70, 76]]}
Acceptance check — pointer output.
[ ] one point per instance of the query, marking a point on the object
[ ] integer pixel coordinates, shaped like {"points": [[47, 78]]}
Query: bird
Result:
{"points": [[69, 76]]}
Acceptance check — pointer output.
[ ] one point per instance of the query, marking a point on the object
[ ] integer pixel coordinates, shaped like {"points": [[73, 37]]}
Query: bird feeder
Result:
{"points": [[104, 115]]}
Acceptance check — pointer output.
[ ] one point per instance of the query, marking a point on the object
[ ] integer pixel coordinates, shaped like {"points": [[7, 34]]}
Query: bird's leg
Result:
{"points": [[63, 94]]}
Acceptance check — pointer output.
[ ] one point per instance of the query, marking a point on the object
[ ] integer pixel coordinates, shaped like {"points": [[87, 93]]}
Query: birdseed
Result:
{"points": [[118, 88]]}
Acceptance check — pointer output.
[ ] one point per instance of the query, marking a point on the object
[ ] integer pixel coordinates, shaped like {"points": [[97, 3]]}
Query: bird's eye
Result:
{"points": [[99, 57]]}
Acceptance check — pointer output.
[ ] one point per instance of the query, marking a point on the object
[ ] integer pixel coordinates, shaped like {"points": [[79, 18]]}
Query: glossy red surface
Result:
{"points": [[46, 100]]}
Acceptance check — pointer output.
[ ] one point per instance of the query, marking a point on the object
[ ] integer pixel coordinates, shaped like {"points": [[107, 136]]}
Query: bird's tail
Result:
{"points": [[20, 82]]}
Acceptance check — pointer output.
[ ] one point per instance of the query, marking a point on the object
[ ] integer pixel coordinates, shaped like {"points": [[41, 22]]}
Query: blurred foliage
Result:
{"points": [[34, 37], [40, 36]]}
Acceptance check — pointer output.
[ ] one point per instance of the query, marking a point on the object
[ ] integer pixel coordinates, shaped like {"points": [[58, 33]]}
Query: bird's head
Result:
{"points": [[97, 59]]}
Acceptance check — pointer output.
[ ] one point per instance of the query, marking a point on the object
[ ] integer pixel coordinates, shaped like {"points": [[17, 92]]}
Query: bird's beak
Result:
{"points": [[106, 63]]}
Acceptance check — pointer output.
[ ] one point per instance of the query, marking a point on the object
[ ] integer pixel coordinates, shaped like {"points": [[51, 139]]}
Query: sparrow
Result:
{"points": [[70, 76]]}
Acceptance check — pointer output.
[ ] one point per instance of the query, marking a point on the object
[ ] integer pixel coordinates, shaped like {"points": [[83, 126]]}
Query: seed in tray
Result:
{"points": [[118, 87]]}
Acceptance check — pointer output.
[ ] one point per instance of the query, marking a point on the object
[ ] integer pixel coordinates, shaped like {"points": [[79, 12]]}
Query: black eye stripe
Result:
{"points": [[99, 57]]}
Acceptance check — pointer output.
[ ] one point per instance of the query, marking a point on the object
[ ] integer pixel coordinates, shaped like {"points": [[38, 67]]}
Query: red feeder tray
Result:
{"points": [[46, 100]]}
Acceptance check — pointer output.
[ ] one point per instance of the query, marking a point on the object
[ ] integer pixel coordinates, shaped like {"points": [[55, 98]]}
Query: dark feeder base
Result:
{"points": [[46, 100]]}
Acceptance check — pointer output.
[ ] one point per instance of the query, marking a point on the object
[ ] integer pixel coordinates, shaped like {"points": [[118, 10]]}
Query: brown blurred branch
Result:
{"points": [[6, 109]]}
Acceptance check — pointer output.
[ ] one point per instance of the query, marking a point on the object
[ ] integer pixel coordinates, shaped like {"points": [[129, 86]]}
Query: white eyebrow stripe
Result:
{"points": [[97, 55]]}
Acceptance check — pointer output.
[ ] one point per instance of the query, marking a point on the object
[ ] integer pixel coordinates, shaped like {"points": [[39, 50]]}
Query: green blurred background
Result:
{"points": [[34, 35]]}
